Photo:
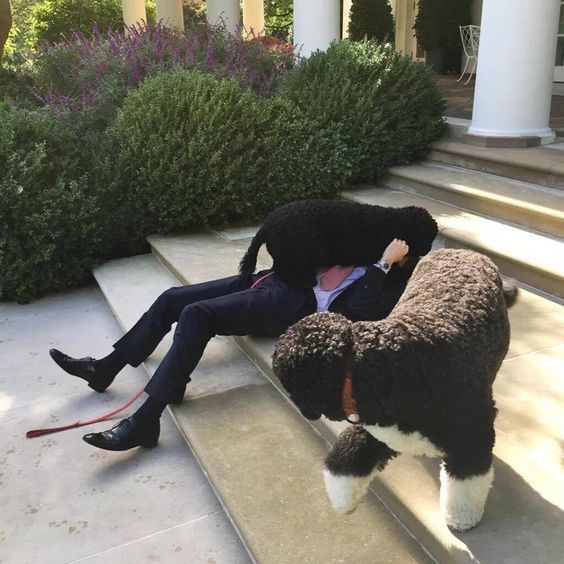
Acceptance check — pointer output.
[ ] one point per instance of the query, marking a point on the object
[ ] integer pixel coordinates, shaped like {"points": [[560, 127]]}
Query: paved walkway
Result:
{"points": [[64, 501]]}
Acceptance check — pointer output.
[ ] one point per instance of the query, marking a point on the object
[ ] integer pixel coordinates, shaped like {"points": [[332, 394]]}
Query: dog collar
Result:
{"points": [[349, 405]]}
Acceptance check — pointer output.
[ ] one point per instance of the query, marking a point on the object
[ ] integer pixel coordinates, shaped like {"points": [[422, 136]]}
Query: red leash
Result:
{"points": [[262, 278], [39, 432]]}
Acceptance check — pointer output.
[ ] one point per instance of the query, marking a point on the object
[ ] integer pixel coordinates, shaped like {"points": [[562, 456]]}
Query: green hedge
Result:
{"points": [[186, 151], [387, 107], [197, 150], [48, 222], [189, 150], [53, 20]]}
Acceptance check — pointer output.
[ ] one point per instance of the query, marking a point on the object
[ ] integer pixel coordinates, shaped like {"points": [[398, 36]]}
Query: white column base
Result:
{"points": [[546, 135]]}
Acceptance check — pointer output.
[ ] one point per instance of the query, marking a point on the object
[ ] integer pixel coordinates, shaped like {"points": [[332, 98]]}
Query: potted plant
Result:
{"points": [[437, 30], [371, 19]]}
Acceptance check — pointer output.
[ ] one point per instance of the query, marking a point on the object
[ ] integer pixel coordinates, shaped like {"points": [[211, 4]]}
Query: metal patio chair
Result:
{"points": [[470, 36]]}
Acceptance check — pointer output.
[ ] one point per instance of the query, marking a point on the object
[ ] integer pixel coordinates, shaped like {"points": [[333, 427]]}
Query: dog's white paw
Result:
{"points": [[463, 501], [345, 491]]}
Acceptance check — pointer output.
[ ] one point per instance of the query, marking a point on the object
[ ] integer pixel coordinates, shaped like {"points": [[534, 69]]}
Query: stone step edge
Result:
{"points": [[452, 551], [446, 556], [459, 237], [409, 173], [456, 147]]}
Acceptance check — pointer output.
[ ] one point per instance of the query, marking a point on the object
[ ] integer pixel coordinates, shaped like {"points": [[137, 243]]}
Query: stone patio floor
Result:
{"points": [[460, 99], [61, 499]]}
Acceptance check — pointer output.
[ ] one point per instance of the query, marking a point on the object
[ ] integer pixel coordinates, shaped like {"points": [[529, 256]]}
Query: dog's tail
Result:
{"points": [[510, 292], [249, 261]]}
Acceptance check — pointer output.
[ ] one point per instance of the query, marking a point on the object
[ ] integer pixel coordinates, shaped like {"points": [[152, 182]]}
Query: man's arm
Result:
{"points": [[370, 298]]}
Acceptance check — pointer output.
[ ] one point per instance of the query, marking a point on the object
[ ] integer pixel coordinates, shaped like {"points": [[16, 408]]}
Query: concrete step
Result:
{"points": [[260, 455], [522, 203], [537, 165], [533, 259], [524, 512]]}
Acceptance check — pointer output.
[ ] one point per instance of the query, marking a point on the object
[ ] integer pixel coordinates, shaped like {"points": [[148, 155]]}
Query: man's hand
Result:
{"points": [[395, 251]]}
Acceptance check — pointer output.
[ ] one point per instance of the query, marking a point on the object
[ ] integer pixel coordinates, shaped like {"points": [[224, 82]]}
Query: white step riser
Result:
{"points": [[499, 169], [551, 287], [526, 217]]}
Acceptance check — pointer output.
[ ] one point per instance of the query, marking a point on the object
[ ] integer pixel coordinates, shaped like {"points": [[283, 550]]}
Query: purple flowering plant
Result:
{"points": [[87, 77]]}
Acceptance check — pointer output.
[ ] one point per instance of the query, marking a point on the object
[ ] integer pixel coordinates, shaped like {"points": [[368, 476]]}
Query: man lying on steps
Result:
{"points": [[229, 306]]}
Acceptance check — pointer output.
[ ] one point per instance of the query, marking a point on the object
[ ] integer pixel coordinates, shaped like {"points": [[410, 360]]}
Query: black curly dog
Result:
{"points": [[421, 378], [304, 236]]}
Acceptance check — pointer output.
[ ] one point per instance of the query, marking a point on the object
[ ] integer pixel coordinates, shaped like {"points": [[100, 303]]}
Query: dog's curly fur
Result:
{"points": [[422, 379], [309, 234]]}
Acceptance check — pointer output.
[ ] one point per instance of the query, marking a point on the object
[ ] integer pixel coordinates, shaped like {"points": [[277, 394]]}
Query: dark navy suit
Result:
{"points": [[230, 307]]}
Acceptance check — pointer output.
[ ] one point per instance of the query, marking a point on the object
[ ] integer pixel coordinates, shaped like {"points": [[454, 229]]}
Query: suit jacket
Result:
{"points": [[374, 295]]}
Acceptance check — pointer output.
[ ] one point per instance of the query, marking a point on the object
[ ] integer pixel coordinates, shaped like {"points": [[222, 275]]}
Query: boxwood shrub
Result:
{"points": [[197, 150], [48, 226], [388, 108]]}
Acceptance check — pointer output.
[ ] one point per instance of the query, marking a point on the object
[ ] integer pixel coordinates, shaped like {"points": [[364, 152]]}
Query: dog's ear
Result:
{"points": [[310, 361]]}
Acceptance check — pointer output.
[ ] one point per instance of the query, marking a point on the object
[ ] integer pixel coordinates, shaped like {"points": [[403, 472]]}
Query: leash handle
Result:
{"points": [[40, 432]]}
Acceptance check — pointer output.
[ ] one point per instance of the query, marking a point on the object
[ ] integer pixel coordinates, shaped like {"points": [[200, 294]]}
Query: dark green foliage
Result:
{"points": [[371, 19], [47, 218], [198, 151], [279, 17], [189, 149], [437, 22], [387, 107], [15, 87], [63, 204], [53, 19]]}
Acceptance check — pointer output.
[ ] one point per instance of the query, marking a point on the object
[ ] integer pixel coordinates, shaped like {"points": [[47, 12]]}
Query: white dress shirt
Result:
{"points": [[325, 297]]}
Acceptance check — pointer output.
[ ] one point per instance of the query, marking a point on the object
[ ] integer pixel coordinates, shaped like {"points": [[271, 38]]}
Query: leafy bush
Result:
{"points": [[187, 150], [387, 107], [16, 88], [53, 19], [371, 19], [87, 78], [197, 150], [278, 18], [47, 219]]}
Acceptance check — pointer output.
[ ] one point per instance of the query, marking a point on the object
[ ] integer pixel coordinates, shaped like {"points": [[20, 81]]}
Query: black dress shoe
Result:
{"points": [[126, 434], [84, 368]]}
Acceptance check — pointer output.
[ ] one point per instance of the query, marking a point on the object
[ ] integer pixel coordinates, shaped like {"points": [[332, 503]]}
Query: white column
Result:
{"points": [[347, 5], [253, 16], [316, 24], [170, 12], [133, 12], [515, 67], [228, 11]]}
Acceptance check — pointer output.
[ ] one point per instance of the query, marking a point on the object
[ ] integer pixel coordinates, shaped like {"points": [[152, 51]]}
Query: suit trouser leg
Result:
{"points": [[142, 339], [260, 311]]}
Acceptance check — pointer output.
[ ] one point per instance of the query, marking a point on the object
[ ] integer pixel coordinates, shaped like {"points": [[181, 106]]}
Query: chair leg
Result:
{"points": [[465, 67], [473, 71]]}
